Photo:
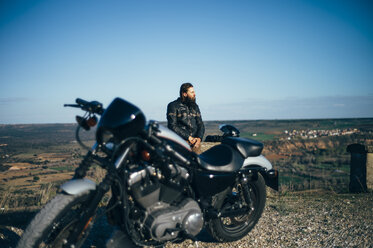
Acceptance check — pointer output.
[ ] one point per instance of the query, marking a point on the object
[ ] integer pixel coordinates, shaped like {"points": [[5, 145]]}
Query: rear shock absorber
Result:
{"points": [[246, 191]]}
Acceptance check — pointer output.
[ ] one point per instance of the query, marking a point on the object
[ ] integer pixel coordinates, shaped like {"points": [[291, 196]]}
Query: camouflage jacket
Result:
{"points": [[185, 120]]}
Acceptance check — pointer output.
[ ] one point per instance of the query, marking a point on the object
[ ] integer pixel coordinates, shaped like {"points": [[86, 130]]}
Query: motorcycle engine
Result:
{"points": [[165, 212]]}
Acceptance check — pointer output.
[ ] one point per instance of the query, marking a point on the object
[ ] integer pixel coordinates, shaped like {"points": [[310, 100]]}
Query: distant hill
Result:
{"points": [[278, 126]]}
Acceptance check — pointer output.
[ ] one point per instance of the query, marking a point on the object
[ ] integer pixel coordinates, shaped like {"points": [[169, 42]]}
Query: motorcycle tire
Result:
{"points": [[230, 229], [52, 225]]}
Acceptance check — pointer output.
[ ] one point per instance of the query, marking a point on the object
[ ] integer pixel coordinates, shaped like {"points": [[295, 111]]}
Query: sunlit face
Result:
{"points": [[190, 94]]}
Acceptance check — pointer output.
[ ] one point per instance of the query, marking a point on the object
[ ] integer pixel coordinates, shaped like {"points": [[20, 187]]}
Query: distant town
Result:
{"points": [[312, 134]]}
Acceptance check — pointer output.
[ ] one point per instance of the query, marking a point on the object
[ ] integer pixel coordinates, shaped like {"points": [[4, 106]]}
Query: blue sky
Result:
{"points": [[247, 59]]}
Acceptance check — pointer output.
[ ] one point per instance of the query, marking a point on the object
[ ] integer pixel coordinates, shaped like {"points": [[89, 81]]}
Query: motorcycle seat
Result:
{"points": [[222, 158], [246, 147]]}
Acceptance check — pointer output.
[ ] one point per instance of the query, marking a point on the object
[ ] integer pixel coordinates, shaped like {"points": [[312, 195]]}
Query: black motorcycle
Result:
{"points": [[161, 191]]}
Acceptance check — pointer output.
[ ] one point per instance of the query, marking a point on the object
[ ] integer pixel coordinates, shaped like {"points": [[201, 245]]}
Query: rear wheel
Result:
{"points": [[52, 226], [228, 229]]}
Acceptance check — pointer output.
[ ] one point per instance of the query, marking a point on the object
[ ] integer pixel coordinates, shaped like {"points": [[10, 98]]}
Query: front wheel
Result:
{"points": [[228, 229], [53, 224]]}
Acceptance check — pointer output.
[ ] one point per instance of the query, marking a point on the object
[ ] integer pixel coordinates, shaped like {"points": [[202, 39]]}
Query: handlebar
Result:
{"points": [[94, 107]]}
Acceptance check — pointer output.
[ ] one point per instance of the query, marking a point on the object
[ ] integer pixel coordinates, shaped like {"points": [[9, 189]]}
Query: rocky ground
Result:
{"points": [[302, 219]]}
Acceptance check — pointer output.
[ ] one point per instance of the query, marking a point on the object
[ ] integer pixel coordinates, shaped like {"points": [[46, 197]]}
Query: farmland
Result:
{"points": [[36, 159]]}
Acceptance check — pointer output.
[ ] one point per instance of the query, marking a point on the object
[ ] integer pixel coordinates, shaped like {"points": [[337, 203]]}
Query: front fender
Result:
{"points": [[77, 186]]}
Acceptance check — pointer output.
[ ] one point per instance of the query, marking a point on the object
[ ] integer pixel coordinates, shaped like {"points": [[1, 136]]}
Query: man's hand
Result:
{"points": [[191, 140], [197, 144], [194, 142]]}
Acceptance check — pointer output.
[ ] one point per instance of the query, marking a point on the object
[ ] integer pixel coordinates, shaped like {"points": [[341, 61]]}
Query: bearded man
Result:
{"points": [[184, 117]]}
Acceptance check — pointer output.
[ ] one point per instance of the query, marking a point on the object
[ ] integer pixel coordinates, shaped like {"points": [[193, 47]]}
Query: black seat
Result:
{"points": [[247, 147], [221, 158]]}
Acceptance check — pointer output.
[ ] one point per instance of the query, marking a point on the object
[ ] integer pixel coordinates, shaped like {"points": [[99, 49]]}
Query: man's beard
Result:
{"points": [[191, 102]]}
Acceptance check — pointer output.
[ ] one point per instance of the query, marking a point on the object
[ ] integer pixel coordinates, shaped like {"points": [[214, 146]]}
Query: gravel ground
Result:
{"points": [[303, 219], [308, 219]]}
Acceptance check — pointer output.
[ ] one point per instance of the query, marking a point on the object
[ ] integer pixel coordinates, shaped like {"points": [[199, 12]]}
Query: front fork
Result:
{"points": [[88, 213], [97, 194]]}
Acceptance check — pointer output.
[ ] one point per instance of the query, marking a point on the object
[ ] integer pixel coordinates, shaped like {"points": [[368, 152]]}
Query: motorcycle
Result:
{"points": [[161, 191]]}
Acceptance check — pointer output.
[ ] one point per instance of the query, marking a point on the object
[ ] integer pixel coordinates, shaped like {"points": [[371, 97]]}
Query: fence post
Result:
{"points": [[370, 167], [358, 168]]}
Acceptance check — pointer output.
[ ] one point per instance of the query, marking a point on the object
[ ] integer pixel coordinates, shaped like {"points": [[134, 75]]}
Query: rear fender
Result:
{"points": [[259, 160], [261, 164], [77, 186]]}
